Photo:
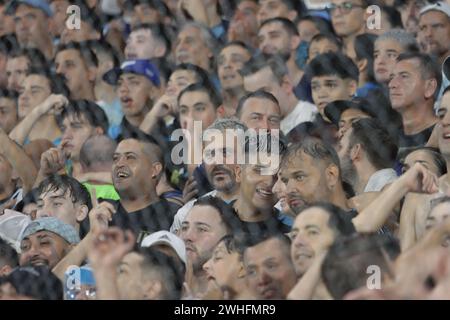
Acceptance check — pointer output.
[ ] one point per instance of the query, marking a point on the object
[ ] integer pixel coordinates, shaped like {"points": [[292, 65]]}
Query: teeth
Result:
{"points": [[447, 135], [122, 175], [264, 192]]}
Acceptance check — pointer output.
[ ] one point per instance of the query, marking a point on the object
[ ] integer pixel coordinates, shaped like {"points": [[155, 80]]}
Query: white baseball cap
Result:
{"points": [[167, 238], [12, 227], [438, 6]]}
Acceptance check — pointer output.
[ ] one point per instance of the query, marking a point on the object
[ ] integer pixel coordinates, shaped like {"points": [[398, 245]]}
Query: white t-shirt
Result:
{"points": [[303, 112]]}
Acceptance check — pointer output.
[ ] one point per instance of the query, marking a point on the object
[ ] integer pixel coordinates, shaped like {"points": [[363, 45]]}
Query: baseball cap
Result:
{"points": [[52, 224], [141, 67], [35, 282], [334, 110], [438, 6], [167, 238], [39, 4], [12, 227]]}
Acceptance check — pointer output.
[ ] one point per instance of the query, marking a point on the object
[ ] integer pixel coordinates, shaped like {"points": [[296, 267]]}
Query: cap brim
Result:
{"points": [[334, 112]]}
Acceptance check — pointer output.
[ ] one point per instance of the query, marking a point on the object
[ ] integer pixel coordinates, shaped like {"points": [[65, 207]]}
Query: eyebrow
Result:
{"points": [[311, 226], [37, 87], [57, 197], [199, 224], [199, 104]]}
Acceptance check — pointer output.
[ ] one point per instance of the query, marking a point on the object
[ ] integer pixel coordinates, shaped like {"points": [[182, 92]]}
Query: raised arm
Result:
{"points": [[163, 107], [19, 160], [417, 179], [23, 129]]}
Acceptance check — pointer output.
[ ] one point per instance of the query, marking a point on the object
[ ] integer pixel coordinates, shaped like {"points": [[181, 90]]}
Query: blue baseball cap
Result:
{"points": [[39, 4], [141, 67]]}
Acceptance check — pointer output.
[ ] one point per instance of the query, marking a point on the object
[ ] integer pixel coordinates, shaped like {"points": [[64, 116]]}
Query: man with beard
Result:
{"points": [[209, 220], [365, 167], [46, 241], [280, 36], [220, 169]]}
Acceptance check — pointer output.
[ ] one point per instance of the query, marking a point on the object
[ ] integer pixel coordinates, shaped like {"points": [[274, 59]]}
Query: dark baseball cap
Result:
{"points": [[334, 109]]}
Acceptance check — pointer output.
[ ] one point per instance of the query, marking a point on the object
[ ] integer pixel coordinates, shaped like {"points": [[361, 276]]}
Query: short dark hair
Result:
{"points": [[56, 81], [262, 61], [207, 88], [35, 57], [103, 47], [246, 240], [364, 46], [8, 255], [78, 193], [239, 44], [393, 16], [287, 25], [170, 272], [333, 64], [89, 109], [369, 133], [201, 74], [429, 69], [259, 94], [345, 266], [329, 37], [297, 5], [158, 32], [227, 213], [97, 149], [9, 94], [438, 158], [83, 48], [316, 149], [324, 26]]}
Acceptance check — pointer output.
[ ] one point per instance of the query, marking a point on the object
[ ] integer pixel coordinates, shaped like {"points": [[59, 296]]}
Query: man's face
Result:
{"points": [[190, 48], [280, 191], [221, 165], [321, 46], [443, 128], [70, 64], [385, 57], [8, 114], [16, 70], [437, 215], [274, 39], [230, 61], [6, 22], [348, 22], [141, 45], [406, 87], [305, 181], [130, 277], [311, 235], [270, 272], [260, 113], [347, 118], [36, 89], [59, 8], [307, 30], [59, 204], [265, 80], [43, 248], [326, 89], [179, 80], [244, 24], [434, 32], [133, 169], [6, 173], [3, 77], [32, 27], [409, 13], [348, 169], [134, 92], [147, 14], [201, 231], [85, 33], [256, 186], [423, 157], [273, 9], [196, 106], [76, 130]]}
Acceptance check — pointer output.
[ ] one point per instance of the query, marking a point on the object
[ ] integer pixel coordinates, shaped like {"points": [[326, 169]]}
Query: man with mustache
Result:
{"points": [[221, 175], [46, 241]]}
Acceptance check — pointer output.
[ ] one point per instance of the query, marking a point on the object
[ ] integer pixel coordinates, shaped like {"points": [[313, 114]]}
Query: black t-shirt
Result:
{"points": [[415, 140], [157, 216]]}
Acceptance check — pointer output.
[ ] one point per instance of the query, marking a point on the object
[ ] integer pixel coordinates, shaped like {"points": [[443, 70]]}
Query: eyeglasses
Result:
{"points": [[346, 7]]}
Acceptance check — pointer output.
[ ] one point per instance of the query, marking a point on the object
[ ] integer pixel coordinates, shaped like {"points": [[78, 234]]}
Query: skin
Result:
{"points": [[274, 39], [32, 27], [59, 204], [43, 248], [196, 106], [35, 90], [434, 33], [231, 59], [321, 46], [270, 272], [16, 69], [311, 236], [262, 114], [385, 56], [142, 45], [348, 24], [85, 33], [6, 178], [423, 157], [130, 277], [135, 92], [59, 8], [274, 8], [279, 189], [191, 48], [307, 30], [347, 118], [437, 215], [244, 23], [326, 89], [8, 114], [201, 230]]}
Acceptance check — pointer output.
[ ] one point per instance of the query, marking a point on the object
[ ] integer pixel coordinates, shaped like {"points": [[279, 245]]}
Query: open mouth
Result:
{"points": [[264, 193], [122, 174], [268, 293], [126, 101], [296, 202]]}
